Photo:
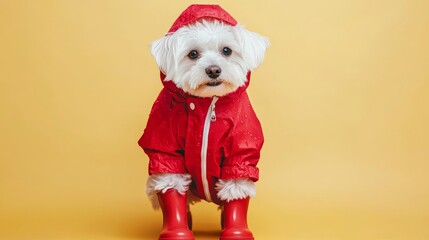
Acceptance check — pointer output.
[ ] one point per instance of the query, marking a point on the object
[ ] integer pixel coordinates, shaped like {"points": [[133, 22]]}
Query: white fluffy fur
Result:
{"points": [[209, 38], [162, 182], [233, 189]]}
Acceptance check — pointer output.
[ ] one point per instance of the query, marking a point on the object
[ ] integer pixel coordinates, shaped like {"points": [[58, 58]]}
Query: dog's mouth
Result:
{"points": [[214, 83]]}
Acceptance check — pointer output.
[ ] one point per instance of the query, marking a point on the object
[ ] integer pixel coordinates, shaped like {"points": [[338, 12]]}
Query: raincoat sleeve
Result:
{"points": [[160, 142], [243, 147]]}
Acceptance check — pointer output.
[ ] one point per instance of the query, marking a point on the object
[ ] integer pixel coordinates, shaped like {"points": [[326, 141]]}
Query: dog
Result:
{"points": [[203, 138]]}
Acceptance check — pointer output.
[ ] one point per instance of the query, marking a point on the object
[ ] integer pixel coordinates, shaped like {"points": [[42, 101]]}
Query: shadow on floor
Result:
{"points": [[207, 233]]}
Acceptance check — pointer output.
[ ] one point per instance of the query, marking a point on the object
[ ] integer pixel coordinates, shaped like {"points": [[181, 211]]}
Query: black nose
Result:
{"points": [[213, 71]]}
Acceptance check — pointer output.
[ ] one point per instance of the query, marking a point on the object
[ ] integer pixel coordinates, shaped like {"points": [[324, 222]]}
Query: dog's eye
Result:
{"points": [[226, 51], [193, 54]]}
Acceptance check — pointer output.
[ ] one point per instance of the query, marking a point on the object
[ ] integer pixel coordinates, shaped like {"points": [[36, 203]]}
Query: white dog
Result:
{"points": [[202, 134]]}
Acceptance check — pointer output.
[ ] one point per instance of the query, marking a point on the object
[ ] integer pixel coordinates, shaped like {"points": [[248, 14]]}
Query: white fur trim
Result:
{"points": [[233, 189], [164, 181]]}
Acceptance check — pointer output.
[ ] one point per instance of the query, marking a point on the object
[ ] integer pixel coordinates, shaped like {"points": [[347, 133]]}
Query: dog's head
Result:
{"points": [[209, 57]]}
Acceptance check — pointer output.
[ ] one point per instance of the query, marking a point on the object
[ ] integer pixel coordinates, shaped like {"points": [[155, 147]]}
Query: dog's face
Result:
{"points": [[209, 58]]}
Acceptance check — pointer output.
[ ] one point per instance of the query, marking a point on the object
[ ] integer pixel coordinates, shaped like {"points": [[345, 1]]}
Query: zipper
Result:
{"points": [[210, 117]]}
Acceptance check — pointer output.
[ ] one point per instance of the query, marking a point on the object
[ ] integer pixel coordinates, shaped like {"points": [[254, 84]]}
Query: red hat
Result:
{"points": [[196, 12]]}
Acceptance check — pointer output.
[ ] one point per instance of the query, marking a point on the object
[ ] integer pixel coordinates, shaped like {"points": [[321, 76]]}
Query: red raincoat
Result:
{"points": [[209, 138]]}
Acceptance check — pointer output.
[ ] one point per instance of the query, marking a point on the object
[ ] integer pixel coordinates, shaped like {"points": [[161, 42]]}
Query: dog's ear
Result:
{"points": [[253, 46], [164, 53]]}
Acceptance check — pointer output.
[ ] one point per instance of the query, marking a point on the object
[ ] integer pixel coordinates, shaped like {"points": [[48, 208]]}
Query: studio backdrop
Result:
{"points": [[342, 96]]}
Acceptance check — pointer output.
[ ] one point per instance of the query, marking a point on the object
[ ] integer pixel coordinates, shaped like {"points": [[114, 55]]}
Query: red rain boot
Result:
{"points": [[174, 212], [235, 220]]}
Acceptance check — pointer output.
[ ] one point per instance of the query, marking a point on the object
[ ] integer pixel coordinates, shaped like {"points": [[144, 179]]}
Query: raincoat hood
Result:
{"points": [[197, 12]]}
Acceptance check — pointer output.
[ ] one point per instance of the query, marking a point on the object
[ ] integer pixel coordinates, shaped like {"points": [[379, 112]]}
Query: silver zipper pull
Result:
{"points": [[213, 114], [212, 110]]}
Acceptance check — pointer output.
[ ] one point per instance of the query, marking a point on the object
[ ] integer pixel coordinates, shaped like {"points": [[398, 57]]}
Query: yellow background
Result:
{"points": [[343, 96]]}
